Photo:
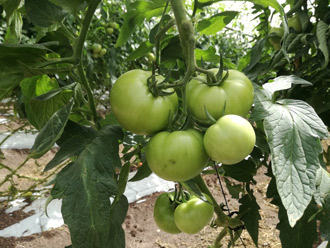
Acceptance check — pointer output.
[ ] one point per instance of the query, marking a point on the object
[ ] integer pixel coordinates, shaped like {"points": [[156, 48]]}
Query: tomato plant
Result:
{"points": [[164, 213], [176, 156], [136, 108], [193, 215], [233, 96], [230, 139]]}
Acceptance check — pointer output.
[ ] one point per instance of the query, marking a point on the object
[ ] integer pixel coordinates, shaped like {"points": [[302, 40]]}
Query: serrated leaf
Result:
{"points": [[321, 34], [251, 217], [284, 83], [85, 187], [44, 13], [293, 130], [242, 171], [142, 50], [116, 231], [233, 189], [322, 183], [325, 220], [51, 132], [137, 12], [10, 70], [214, 24], [303, 234]]}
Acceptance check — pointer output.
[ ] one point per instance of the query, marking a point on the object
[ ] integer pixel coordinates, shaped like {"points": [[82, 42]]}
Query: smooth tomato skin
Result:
{"points": [[236, 92], [276, 36], [192, 216], [136, 108], [177, 156], [230, 139], [164, 213]]}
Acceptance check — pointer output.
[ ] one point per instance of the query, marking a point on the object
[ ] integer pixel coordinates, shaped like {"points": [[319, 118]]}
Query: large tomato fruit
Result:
{"points": [[230, 139], [295, 23], [236, 92], [192, 216], [177, 156], [164, 213], [136, 108]]}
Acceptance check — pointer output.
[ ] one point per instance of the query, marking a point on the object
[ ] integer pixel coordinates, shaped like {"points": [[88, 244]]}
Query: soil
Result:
{"points": [[140, 228]]}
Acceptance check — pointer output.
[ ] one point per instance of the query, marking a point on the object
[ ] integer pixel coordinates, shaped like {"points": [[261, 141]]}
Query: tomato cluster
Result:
{"points": [[188, 217], [183, 154]]}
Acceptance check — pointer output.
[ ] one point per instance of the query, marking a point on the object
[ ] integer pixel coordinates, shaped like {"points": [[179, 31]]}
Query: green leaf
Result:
{"points": [[284, 83], [207, 55], [42, 98], [293, 131], [73, 145], [234, 189], [14, 32], [325, 220], [123, 177], [44, 13], [192, 187], [85, 187], [10, 7], [143, 172], [51, 132], [116, 232], [322, 186], [11, 57], [137, 12], [242, 171], [251, 217], [142, 50], [321, 33], [71, 6], [303, 234], [215, 23]]}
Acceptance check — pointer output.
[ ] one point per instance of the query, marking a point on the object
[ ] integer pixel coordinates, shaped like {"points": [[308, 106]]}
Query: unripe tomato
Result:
{"points": [[136, 108], [103, 52], [113, 25], [276, 35], [295, 23], [192, 216], [96, 48], [109, 31], [177, 156], [164, 213], [236, 92], [230, 139], [151, 57]]}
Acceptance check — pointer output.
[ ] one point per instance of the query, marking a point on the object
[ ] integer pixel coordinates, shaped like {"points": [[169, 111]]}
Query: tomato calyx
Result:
{"points": [[156, 88]]}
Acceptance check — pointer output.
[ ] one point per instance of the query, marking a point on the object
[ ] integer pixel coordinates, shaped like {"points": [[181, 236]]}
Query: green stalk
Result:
{"points": [[79, 54]]}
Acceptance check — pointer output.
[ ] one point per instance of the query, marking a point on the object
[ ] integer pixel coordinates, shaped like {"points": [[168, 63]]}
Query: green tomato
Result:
{"points": [[275, 36], [136, 108], [113, 25], [103, 52], [236, 93], [177, 156], [164, 213], [192, 216], [230, 139], [96, 48], [151, 57], [109, 31], [295, 23]]}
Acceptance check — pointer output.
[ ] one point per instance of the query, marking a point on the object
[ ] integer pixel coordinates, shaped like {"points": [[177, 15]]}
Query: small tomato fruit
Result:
{"points": [[96, 48]]}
